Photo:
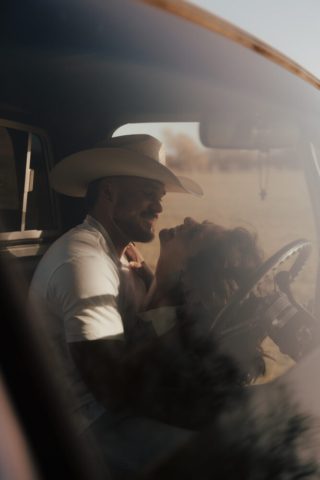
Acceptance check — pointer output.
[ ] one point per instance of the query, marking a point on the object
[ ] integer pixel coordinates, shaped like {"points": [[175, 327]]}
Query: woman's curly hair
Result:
{"points": [[214, 274], [192, 378], [219, 269]]}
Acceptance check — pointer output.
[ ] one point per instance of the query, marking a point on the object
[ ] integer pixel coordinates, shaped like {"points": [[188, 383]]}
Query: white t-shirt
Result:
{"points": [[78, 292]]}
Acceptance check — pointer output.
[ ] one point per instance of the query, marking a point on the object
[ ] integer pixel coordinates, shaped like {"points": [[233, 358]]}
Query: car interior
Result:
{"points": [[75, 73]]}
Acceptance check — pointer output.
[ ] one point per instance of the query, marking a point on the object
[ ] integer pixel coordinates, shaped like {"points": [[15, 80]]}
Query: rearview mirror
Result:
{"points": [[236, 129]]}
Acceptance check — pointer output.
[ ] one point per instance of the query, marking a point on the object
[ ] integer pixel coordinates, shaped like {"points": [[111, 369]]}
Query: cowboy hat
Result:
{"points": [[126, 155]]}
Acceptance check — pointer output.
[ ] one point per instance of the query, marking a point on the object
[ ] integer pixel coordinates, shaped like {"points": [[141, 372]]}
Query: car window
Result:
{"points": [[26, 200], [39, 214], [79, 70], [265, 192], [262, 191], [13, 153]]}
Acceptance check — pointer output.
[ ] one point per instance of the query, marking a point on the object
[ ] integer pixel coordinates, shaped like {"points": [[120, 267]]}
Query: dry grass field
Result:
{"points": [[232, 199]]}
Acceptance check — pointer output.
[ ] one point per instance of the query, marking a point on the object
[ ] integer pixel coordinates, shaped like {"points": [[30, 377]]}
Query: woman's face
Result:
{"points": [[184, 241]]}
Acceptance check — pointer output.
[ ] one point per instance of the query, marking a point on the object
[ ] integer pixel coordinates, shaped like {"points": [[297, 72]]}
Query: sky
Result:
{"points": [[290, 26]]}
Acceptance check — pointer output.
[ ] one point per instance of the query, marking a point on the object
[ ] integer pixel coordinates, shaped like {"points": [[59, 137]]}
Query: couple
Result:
{"points": [[141, 372]]}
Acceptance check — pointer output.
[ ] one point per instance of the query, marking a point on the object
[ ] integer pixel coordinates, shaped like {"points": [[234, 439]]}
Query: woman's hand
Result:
{"points": [[138, 264]]}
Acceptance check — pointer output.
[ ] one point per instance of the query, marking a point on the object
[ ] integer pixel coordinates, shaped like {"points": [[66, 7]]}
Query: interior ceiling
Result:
{"points": [[81, 63]]}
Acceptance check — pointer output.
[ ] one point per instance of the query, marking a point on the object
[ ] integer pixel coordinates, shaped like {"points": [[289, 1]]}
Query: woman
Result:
{"points": [[191, 376], [267, 432]]}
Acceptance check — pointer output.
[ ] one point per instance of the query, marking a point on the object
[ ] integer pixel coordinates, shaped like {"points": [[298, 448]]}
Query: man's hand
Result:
{"points": [[138, 264]]}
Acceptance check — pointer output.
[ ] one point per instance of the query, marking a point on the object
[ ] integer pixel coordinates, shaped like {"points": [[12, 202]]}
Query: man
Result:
{"points": [[88, 296]]}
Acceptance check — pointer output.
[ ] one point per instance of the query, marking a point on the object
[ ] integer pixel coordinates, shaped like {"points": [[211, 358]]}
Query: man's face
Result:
{"points": [[137, 207]]}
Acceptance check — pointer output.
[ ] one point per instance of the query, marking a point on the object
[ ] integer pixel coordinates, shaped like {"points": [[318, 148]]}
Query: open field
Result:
{"points": [[232, 199]]}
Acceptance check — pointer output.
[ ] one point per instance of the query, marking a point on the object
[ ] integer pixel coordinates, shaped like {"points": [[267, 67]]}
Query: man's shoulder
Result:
{"points": [[82, 240], [77, 245], [83, 236]]}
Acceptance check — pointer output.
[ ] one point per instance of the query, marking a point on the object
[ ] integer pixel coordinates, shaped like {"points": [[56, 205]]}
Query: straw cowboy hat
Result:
{"points": [[127, 155]]}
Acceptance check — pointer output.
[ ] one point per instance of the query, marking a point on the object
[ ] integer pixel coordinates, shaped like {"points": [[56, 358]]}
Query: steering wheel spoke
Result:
{"points": [[300, 248]]}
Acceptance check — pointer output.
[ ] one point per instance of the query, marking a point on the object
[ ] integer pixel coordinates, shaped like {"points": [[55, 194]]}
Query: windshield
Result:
{"points": [[163, 312], [265, 192]]}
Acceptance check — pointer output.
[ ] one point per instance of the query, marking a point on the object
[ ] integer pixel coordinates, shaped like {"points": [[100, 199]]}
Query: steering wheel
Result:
{"points": [[301, 247]]}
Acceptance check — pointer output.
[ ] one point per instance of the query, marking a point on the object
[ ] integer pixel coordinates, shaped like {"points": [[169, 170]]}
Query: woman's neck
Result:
{"points": [[161, 297]]}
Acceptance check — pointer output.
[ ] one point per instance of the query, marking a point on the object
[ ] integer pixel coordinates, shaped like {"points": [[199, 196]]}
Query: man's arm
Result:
{"points": [[117, 374], [142, 373], [119, 371], [159, 379], [111, 361], [98, 362]]}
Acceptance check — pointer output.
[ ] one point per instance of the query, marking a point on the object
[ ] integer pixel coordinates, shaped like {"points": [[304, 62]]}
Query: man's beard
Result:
{"points": [[131, 228]]}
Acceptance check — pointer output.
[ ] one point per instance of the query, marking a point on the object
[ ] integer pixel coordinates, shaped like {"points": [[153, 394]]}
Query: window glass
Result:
{"points": [[265, 192], [39, 205], [13, 199], [13, 153]]}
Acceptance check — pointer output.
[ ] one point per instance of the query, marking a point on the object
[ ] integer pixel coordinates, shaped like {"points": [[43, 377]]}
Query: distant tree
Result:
{"points": [[184, 150], [184, 154]]}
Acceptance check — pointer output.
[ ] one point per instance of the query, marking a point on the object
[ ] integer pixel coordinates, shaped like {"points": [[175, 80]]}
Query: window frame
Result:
{"points": [[48, 155]]}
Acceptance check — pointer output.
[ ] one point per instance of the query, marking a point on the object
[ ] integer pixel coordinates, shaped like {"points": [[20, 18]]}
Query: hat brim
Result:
{"points": [[73, 175]]}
